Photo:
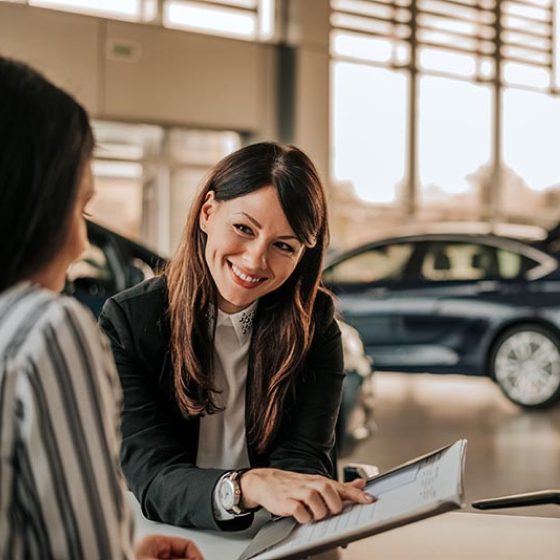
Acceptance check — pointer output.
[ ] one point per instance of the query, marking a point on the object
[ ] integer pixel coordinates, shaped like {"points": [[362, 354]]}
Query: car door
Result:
{"points": [[461, 286]]}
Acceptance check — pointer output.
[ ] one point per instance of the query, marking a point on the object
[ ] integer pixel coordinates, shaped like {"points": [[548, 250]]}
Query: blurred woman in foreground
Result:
{"points": [[61, 491]]}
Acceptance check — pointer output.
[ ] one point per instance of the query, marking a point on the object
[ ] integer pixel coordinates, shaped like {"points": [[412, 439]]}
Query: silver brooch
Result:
{"points": [[246, 321]]}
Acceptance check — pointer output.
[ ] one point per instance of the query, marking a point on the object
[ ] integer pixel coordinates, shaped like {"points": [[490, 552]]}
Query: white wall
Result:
{"points": [[63, 46], [187, 78], [174, 78]]}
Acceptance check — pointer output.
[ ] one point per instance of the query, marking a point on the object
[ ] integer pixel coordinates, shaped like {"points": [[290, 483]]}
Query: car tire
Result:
{"points": [[525, 363]]}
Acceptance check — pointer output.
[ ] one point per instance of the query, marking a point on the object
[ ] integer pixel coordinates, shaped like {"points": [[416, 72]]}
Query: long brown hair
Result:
{"points": [[284, 324], [46, 140]]}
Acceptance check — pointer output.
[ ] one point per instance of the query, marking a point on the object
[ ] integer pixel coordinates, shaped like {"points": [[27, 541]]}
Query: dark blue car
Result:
{"points": [[457, 303]]}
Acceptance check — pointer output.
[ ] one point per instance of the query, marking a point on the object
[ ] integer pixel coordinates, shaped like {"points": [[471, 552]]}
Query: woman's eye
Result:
{"points": [[285, 247], [243, 228]]}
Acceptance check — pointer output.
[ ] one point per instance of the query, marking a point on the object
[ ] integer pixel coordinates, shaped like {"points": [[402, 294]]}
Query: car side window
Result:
{"points": [[513, 265], [460, 261], [378, 264]]}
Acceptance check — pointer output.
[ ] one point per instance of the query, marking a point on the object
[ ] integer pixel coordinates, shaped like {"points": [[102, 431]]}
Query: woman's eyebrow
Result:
{"points": [[251, 219], [256, 224]]}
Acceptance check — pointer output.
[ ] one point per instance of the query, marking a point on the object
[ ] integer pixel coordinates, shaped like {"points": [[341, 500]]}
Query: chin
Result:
{"points": [[239, 302]]}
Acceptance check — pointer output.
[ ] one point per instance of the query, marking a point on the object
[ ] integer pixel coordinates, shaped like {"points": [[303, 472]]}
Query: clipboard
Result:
{"points": [[425, 486]]}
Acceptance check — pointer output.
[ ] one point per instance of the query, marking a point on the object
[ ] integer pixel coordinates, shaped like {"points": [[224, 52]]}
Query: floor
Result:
{"points": [[509, 451]]}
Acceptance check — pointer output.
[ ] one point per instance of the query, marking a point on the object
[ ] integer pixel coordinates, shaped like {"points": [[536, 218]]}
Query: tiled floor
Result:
{"points": [[509, 451]]}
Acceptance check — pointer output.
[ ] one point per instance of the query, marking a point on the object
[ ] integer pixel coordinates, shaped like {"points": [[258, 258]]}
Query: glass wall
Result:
{"points": [[443, 110], [454, 141], [531, 155], [369, 130], [252, 20], [242, 19]]}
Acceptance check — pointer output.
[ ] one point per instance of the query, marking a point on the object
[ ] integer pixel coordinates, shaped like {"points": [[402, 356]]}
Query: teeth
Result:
{"points": [[244, 277]]}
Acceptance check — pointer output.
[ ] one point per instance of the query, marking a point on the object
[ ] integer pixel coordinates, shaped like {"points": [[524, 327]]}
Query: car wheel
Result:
{"points": [[525, 362]]}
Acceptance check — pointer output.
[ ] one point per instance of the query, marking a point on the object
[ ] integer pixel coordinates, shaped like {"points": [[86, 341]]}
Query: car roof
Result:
{"points": [[431, 237], [526, 232]]}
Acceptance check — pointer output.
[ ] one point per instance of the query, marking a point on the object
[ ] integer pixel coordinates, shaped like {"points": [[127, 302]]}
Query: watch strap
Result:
{"points": [[236, 510]]}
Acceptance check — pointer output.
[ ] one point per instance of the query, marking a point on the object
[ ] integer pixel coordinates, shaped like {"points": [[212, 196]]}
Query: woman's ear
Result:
{"points": [[206, 210]]}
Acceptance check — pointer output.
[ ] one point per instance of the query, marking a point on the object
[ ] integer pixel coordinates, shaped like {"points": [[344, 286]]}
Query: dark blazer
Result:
{"points": [[159, 445]]}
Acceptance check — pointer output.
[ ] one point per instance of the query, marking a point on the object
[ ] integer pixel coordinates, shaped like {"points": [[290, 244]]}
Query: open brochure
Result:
{"points": [[426, 486]]}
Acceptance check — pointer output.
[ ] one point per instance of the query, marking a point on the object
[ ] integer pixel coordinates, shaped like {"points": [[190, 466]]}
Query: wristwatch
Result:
{"points": [[229, 492]]}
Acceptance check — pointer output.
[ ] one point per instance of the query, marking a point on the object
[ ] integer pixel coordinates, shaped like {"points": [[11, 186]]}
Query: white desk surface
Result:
{"points": [[452, 536], [464, 536]]}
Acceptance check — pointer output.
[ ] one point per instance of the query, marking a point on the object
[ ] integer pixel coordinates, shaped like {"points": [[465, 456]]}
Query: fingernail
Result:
{"points": [[368, 498]]}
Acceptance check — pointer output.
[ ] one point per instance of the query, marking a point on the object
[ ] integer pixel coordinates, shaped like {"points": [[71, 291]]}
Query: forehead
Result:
{"points": [[263, 205]]}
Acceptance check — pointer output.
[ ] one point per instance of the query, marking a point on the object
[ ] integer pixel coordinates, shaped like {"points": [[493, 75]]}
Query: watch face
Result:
{"points": [[227, 494]]}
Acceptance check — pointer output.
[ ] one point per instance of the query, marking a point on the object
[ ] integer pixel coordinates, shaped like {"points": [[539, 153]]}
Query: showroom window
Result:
{"points": [[128, 10], [242, 19], [252, 20], [444, 110]]}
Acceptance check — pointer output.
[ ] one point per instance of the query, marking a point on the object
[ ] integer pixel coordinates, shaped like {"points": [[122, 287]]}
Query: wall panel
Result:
{"points": [[63, 46]]}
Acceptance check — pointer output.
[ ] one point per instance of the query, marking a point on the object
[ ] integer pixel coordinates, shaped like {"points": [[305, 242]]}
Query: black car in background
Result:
{"points": [[113, 263], [457, 303]]}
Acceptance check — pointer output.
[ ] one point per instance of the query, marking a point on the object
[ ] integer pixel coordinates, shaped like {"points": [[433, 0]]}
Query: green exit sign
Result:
{"points": [[124, 50]]}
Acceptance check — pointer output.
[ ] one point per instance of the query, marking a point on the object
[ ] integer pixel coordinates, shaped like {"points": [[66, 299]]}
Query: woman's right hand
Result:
{"points": [[303, 496], [163, 547]]}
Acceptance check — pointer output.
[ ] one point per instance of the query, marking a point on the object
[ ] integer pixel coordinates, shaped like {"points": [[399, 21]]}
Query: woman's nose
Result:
{"points": [[255, 256]]}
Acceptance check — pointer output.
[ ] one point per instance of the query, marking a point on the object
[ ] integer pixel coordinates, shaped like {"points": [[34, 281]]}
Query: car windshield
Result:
{"points": [[387, 262]]}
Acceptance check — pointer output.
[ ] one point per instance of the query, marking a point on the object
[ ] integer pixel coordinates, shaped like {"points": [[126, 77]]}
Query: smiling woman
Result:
{"points": [[231, 362]]}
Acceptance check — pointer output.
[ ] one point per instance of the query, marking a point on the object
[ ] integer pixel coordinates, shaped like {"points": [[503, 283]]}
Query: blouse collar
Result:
{"points": [[242, 321]]}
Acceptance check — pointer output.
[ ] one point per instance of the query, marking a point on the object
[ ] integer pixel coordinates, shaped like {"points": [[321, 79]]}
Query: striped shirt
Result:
{"points": [[62, 494]]}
